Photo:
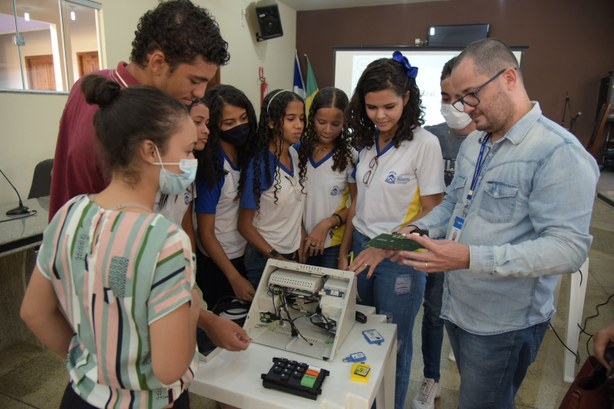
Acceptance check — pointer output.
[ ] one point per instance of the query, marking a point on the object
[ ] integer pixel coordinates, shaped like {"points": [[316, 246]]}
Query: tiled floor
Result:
{"points": [[33, 378]]}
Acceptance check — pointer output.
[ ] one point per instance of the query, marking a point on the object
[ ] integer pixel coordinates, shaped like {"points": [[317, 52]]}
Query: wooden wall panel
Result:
{"points": [[570, 42]]}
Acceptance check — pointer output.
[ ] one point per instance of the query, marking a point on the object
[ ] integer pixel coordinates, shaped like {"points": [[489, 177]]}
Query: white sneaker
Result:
{"points": [[429, 391], [451, 356]]}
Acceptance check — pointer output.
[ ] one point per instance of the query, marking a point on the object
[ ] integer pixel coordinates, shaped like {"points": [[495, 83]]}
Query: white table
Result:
{"points": [[577, 293], [234, 377]]}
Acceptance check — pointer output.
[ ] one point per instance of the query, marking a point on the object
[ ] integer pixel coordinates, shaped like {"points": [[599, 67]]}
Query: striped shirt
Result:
{"points": [[115, 273]]}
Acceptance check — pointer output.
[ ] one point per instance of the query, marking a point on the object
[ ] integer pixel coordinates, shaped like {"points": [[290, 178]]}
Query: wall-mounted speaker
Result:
{"points": [[269, 23]]}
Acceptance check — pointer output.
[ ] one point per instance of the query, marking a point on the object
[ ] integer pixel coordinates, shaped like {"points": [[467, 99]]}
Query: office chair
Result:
{"points": [[41, 180]]}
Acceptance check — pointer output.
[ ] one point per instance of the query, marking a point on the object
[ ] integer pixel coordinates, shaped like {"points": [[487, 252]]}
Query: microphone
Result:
{"points": [[21, 209]]}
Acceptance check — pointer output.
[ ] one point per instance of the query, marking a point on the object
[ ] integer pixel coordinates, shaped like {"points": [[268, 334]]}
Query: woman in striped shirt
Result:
{"points": [[112, 291]]}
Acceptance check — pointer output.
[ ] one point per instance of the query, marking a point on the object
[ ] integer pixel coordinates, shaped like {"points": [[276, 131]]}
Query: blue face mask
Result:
{"points": [[177, 183]]}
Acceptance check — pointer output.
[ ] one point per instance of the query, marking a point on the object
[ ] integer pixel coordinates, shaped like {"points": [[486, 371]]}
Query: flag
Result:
{"points": [[311, 88], [299, 85]]}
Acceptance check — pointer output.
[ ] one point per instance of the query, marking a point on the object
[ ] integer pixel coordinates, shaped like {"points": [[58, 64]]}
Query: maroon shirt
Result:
{"points": [[77, 166]]}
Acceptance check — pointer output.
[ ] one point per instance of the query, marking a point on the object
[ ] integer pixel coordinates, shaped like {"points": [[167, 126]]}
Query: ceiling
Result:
{"points": [[7, 24], [304, 5]]}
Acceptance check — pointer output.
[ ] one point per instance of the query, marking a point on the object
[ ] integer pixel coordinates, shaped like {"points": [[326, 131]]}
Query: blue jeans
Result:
{"points": [[256, 262], [396, 291], [330, 258], [492, 367], [432, 326]]}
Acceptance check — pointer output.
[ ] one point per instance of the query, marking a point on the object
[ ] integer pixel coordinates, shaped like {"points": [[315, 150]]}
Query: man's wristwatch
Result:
{"points": [[273, 253]]}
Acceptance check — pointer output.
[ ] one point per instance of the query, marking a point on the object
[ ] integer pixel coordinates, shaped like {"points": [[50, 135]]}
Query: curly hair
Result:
{"points": [[182, 31], [383, 74], [270, 130], [127, 117], [210, 162], [329, 97]]}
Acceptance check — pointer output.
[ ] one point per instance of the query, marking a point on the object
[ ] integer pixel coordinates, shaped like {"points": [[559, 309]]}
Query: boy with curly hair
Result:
{"points": [[177, 48]]}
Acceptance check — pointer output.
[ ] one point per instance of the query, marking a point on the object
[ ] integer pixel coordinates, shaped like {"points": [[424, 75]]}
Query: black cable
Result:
{"points": [[583, 327], [272, 290], [597, 309], [23, 216], [324, 323], [575, 354], [581, 277], [294, 329]]}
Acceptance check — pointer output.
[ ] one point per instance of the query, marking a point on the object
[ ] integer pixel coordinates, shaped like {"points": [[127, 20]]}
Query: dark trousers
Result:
{"points": [[212, 280], [71, 400]]}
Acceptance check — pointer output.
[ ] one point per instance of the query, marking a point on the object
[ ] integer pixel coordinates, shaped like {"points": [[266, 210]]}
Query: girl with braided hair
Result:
{"points": [[271, 206], [326, 162]]}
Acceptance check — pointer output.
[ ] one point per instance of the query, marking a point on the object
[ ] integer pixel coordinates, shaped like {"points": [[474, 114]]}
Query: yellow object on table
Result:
{"points": [[360, 372]]}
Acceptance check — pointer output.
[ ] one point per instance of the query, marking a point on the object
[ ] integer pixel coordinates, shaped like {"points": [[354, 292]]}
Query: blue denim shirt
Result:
{"points": [[528, 223]]}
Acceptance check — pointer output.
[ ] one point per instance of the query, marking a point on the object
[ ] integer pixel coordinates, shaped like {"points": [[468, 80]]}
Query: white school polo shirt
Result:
{"points": [[327, 193], [220, 201], [401, 176], [176, 205], [279, 223]]}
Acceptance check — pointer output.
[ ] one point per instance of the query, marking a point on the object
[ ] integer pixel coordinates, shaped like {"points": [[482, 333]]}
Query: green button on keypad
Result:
{"points": [[308, 381]]}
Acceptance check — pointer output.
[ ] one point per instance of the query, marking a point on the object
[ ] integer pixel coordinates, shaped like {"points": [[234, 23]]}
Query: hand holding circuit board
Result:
{"points": [[396, 241]]}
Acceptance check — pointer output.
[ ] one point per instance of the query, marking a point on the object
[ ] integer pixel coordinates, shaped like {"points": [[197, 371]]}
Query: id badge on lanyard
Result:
{"points": [[459, 221], [457, 228]]}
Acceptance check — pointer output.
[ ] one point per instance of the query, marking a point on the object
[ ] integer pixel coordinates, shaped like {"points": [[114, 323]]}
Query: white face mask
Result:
{"points": [[454, 118], [176, 183]]}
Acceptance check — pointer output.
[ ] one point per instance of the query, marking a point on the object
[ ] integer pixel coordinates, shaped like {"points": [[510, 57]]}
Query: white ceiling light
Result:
{"points": [[26, 16]]}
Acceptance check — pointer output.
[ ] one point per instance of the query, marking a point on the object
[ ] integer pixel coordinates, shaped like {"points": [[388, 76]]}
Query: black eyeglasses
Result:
{"points": [[471, 99], [368, 177]]}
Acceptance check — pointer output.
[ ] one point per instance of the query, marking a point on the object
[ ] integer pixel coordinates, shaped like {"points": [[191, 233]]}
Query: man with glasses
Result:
{"points": [[517, 217], [451, 134]]}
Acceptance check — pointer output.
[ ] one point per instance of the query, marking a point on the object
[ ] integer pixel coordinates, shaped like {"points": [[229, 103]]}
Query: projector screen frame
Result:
{"points": [[346, 73]]}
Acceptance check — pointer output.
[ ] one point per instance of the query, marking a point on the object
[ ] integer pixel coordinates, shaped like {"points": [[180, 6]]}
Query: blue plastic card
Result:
{"points": [[372, 336]]}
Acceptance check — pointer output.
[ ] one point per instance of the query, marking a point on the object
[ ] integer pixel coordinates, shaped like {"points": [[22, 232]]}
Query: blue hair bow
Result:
{"points": [[412, 72]]}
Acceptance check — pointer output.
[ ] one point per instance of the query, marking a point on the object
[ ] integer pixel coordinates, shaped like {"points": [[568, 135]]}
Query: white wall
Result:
{"points": [[246, 54], [30, 121], [37, 43], [10, 76], [83, 39]]}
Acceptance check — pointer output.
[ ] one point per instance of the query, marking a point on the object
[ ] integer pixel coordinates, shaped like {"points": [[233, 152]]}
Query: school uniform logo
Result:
{"points": [[187, 197], [393, 179], [334, 191]]}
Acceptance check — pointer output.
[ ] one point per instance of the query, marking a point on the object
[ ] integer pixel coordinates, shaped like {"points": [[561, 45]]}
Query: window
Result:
{"points": [[46, 45]]}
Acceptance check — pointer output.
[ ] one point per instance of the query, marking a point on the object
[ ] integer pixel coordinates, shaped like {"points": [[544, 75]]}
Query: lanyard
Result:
{"points": [[459, 221], [476, 173]]}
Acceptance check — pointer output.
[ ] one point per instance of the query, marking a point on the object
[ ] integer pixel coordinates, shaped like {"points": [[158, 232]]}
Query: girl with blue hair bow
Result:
{"points": [[399, 178]]}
